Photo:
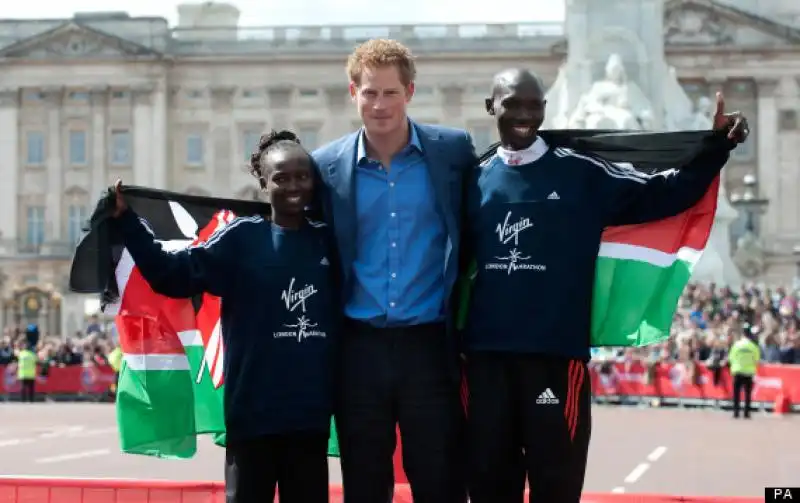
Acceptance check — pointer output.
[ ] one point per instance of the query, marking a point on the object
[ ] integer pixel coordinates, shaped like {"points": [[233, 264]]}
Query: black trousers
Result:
{"points": [[27, 390], [399, 376], [527, 416], [742, 383], [297, 463]]}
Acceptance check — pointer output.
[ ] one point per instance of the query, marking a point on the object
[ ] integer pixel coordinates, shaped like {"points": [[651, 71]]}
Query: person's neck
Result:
{"points": [[290, 222], [384, 147], [506, 145]]}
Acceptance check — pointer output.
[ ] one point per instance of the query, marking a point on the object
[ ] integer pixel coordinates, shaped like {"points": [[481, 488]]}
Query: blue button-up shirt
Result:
{"points": [[401, 240]]}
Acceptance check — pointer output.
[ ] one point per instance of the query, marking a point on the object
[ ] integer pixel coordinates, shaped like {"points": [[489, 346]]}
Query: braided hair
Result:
{"points": [[268, 142]]}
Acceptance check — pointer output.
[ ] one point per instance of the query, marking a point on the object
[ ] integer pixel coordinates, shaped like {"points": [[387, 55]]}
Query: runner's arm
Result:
{"points": [[632, 197], [200, 268]]}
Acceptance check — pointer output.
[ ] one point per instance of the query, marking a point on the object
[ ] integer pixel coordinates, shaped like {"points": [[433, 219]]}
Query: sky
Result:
{"points": [[296, 12]]}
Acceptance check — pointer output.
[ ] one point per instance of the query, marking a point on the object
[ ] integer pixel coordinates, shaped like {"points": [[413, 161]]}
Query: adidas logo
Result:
{"points": [[553, 195], [547, 398], [324, 261]]}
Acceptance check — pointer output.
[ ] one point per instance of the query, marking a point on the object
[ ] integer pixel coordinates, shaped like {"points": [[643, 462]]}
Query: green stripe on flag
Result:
{"points": [[165, 401], [155, 409], [208, 400], [634, 301]]}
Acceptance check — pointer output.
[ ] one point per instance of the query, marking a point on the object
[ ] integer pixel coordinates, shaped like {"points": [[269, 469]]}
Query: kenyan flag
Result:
{"points": [[170, 387], [641, 272]]}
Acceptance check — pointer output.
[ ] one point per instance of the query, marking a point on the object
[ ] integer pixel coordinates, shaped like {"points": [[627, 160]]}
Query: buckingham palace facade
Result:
{"points": [[102, 96]]}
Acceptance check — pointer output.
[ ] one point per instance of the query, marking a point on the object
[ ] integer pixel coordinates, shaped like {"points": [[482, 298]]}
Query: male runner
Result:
{"points": [[535, 215]]}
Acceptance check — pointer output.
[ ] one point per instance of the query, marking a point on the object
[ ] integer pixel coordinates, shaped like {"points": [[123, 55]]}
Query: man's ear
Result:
{"points": [[410, 90], [489, 103]]}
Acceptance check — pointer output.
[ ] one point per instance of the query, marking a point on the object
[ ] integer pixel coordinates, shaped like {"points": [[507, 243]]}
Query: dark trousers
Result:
{"points": [[27, 390], [399, 376], [742, 383], [527, 416], [297, 463]]}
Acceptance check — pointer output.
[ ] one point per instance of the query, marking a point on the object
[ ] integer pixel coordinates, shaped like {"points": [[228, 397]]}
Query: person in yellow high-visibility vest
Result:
{"points": [[26, 374], [743, 360], [115, 360]]}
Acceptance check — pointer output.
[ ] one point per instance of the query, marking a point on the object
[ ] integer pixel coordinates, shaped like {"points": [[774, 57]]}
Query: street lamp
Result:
{"points": [[749, 202]]}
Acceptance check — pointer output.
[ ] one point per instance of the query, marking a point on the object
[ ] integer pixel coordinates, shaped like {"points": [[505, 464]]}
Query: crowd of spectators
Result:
{"points": [[91, 346], [709, 320]]}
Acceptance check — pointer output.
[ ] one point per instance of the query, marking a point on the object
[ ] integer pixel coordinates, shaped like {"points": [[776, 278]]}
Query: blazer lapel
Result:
{"points": [[343, 203], [438, 163]]}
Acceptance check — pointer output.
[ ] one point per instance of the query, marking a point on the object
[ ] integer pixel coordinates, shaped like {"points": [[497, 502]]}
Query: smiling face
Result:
{"points": [[518, 106], [290, 181]]}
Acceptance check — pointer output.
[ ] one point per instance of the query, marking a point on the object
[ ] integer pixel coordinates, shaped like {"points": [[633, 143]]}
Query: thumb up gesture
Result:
{"points": [[734, 123]]}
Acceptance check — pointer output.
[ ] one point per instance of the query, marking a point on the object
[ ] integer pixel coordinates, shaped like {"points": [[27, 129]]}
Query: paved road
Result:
{"points": [[667, 451]]}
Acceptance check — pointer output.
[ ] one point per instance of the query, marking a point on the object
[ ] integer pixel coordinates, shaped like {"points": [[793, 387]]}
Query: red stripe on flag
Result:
{"points": [[210, 311], [207, 319], [689, 229], [149, 323]]}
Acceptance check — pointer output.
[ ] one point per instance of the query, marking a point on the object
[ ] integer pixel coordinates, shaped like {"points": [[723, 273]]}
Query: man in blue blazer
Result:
{"points": [[392, 197]]}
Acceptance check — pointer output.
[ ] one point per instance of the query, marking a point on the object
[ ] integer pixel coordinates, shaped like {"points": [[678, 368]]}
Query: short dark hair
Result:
{"points": [[271, 141]]}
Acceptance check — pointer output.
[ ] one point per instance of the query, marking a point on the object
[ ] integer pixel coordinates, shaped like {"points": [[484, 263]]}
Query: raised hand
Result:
{"points": [[734, 124], [121, 205]]}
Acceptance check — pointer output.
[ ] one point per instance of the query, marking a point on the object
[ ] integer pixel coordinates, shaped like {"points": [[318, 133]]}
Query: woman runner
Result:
{"points": [[274, 275]]}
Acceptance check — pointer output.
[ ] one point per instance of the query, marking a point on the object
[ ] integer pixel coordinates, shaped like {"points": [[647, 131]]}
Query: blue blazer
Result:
{"points": [[449, 154]]}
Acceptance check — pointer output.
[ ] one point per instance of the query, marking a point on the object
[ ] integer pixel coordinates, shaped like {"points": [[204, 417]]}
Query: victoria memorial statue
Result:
{"points": [[594, 90]]}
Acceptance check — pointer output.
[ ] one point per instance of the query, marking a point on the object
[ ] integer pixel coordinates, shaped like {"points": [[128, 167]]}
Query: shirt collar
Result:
{"points": [[361, 149], [527, 156]]}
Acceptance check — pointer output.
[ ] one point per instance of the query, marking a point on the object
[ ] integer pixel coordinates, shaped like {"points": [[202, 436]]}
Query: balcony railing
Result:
{"points": [[463, 37], [439, 37]]}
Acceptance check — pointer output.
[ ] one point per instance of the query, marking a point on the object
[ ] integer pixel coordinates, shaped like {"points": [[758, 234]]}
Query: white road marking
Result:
{"points": [[91, 433], [637, 472], [72, 432], [657, 453], [74, 455], [641, 468], [9, 442], [60, 432]]}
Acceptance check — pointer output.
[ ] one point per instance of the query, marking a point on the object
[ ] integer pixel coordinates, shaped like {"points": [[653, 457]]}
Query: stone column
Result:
{"points": [[99, 142], [452, 103], [223, 133], [9, 168], [160, 137], [280, 102], [768, 144], [55, 166], [143, 137], [787, 171], [337, 98]]}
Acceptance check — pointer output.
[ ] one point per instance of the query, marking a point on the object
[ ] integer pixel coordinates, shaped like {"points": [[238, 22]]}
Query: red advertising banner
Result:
{"points": [[679, 381], [71, 380], [666, 381]]}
